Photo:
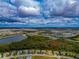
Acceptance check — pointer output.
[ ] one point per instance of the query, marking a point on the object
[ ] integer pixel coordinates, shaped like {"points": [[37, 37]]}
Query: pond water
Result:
{"points": [[12, 39]]}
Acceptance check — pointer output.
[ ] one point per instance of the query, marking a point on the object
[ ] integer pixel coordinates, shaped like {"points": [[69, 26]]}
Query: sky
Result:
{"points": [[39, 13]]}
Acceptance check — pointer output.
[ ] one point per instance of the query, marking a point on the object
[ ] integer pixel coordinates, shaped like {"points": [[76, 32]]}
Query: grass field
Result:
{"points": [[64, 58], [43, 57], [46, 57]]}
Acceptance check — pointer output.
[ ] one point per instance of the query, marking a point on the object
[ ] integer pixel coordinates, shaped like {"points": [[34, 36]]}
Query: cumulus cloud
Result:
{"points": [[27, 7], [28, 11], [21, 7], [6, 9], [48, 8], [18, 11], [55, 20], [61, 7]]}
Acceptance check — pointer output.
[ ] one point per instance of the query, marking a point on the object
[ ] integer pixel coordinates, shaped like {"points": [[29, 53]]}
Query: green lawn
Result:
{"points": [[76, 39], [43, 57], [64, 58]]}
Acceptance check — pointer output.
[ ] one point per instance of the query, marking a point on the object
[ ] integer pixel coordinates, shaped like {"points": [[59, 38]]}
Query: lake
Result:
{"points": [[12, 39]]}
